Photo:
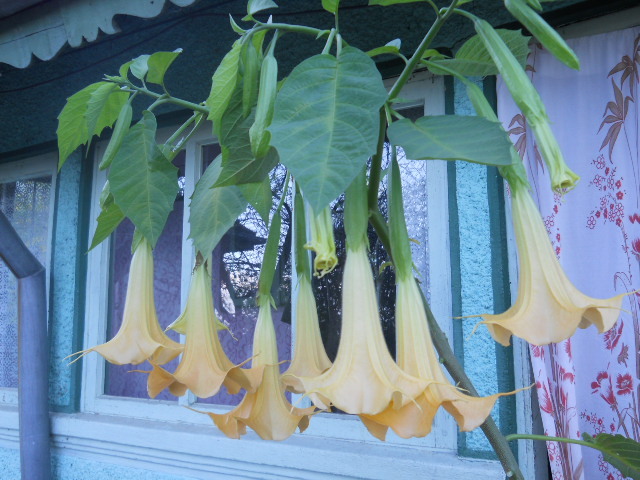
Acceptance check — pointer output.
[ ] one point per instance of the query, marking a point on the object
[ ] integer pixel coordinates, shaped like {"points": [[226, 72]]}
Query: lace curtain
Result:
{"points": [[590, 382]]}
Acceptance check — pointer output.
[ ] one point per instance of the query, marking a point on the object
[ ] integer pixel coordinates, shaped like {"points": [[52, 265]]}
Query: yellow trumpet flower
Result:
{"points": [[310, 358], [267, 410], [140, 337], [322, 242], [417, 357], [204, 366], [549, 308], [364, 379]]}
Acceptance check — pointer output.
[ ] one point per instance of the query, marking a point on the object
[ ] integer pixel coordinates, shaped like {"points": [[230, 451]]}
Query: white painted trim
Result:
{"points": [[202, 452]]}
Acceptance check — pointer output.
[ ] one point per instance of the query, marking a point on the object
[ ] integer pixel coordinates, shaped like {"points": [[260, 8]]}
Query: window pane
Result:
{"points": [[119, 380], [235, 269], [26, 204]]}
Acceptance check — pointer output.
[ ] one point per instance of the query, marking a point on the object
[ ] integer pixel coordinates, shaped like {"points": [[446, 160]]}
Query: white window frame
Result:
{"points": [[437, 452], [25, 169]]}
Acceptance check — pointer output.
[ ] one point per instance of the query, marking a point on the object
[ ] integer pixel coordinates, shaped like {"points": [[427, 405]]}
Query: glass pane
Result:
{"points": [[26, 203], [119, 380], [235, 269]]}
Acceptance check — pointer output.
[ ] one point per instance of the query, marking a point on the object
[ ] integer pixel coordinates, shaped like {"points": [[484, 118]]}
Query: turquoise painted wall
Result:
{"points": [[67, 284], [68, 467]]}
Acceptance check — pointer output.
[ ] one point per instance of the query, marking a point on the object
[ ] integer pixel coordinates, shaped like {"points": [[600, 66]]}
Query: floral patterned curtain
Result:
{"points": [[590, 382]]}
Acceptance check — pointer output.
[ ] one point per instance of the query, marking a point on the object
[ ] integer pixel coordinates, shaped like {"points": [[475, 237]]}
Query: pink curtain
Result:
{"points": [[590, 382]]}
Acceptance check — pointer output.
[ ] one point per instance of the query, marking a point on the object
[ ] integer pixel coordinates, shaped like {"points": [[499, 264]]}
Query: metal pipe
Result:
{"points": [[33, 354]]}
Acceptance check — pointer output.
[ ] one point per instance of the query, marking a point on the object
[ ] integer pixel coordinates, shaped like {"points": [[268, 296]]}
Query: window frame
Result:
{"points": [[423, 90], [27, 168]]}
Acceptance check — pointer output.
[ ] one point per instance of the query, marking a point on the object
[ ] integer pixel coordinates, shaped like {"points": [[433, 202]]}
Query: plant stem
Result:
{"points": [[544, 438], [417, 55], [182, 128], [285, 27], [376, 164], [166, 98]]}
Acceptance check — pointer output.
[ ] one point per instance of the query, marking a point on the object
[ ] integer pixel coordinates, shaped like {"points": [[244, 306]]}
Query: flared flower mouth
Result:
{"points": [[416, 356], [266, 411], [364, 379], [140, 337], [549, 308], [310, 358], [204, 366]]}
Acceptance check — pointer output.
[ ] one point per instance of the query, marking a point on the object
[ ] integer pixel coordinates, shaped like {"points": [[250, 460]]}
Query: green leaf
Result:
{"points": [[238, 163], [330, 6], [110, 217], [72, 126], [540, 29], [213, 211], [393, 47], [223, 85], [143, 182], [235, 27], [473, 58], [452, 137], [259, 196], [124, 69], [621, 452], [255, 6], [326, 122], [103, 107], [158, 64], [139, 66]]}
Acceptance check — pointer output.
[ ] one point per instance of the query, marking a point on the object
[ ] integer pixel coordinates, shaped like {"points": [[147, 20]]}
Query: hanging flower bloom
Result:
{"points": [[204, 366], [267, 410], [322, 242], [310, 358], [140, 337], [417, 357], [364, 379], [549, 308]]}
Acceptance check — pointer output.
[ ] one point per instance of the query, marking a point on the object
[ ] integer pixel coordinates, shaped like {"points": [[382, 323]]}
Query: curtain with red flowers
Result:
{"points": [[590, 382]]}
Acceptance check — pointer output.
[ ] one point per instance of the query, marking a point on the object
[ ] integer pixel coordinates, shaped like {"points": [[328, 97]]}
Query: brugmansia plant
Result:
{"points": [[326, 123]]}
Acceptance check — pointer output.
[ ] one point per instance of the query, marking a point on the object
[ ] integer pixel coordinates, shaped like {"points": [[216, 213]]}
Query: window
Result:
{"points": [[26, 194], [236, 263]]}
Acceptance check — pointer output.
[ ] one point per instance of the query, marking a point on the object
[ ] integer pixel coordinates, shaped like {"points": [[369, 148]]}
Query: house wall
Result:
{"points": [[32, 98]]}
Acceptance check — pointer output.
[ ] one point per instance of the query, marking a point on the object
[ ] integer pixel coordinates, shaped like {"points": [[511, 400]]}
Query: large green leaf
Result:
{"points": [[103, 107], [223, 84], [143, 182], [72, 125], [452, 137], [621, 452], [260, 197], [473, 58], [108, 220], [158, 63], [325, 123], [213, 211]]}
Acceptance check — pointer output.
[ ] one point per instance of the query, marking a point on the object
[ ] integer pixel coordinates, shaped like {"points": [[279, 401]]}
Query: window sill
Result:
{"points": [[198, 451]]}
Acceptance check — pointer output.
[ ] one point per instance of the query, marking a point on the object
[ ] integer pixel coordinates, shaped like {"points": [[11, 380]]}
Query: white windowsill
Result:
{"points": [[200, 451]]}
